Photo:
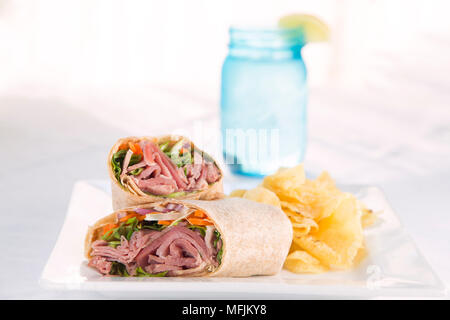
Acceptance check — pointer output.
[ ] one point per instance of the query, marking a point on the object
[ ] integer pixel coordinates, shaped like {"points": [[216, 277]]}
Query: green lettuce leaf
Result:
{"points": [[152, 225], [177, 159], [137, 171], [217, 233], [117, 161], [135, 158], [125, 229], [164, 146], [113, 244], [216, 240], [175, 194], [141, 273], [199, 228], [219, 255], [119, 269]]}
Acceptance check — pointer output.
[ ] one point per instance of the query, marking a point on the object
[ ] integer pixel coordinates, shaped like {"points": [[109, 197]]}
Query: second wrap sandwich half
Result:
{"points": [[224, 238], [148, 169]]}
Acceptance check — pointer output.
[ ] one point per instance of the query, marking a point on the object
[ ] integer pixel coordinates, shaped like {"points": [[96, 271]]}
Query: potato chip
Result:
{"points": [[315, 199], [302, 225], [339, 236], [301, 261], [263, 195], [294, 247], [317, 248], [317, 210], [238, 193], [361, 255], [298, 208], [285, 181], [327, 223], [325, 181]]}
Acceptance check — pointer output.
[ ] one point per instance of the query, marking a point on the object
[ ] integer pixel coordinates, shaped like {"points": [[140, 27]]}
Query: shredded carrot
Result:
{"points": [[199, 222], [199, 214], [135, 147], [111, 226], [127, 217], [131, 215], [198, 217], [166, 222], [108, 228], [123, 146]]}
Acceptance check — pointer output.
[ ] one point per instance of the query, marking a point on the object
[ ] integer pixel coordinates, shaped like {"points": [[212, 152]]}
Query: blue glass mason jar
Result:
{"points": [[263, 101]]}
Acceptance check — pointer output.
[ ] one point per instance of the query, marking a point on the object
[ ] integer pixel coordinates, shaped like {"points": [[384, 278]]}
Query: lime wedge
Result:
{"points": [[315, 30]]}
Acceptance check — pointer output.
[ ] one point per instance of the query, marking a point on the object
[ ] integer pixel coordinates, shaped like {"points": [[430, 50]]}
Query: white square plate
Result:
{"points": [[393, 267]]}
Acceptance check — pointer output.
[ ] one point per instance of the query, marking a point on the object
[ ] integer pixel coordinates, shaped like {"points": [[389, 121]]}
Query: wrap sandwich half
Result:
{"points": [[148, 169], [230, 237]]}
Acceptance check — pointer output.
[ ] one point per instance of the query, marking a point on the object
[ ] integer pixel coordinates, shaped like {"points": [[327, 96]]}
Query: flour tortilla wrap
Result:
{"points": [[255, 237], [129, 194]]}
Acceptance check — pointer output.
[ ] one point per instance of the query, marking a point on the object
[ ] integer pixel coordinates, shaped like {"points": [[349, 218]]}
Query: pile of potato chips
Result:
{"points": [[327, 223]]}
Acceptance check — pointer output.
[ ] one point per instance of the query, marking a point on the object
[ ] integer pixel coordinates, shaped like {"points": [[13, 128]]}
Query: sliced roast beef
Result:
{"points": [[126, 162], [193, 170], [176, 249], [167, 163], [201, 182], [181, 254], [162, 177], [161, 245], [160, 186], [177, 173], [152, 157], [101, 264], [212, 173], [126, 252], [153, 171], [192, 271], [209, 238], [147, 172], [157, 268]]}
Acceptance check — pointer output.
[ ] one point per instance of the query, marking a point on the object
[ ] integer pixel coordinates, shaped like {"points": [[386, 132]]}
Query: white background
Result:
{"points": [[76, 75]]}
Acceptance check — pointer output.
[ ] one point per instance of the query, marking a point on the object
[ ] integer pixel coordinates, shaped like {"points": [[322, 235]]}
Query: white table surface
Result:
{"points": [[47, 145]]}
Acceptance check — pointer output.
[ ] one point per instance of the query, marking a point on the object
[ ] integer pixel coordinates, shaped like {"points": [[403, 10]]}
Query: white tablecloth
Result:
{"points": [[401, 145]]}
